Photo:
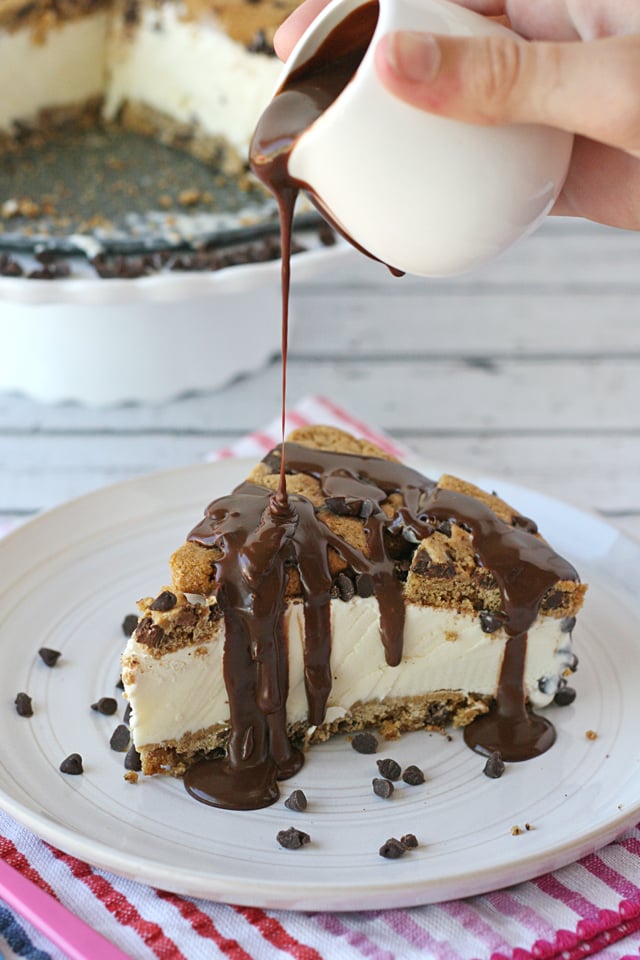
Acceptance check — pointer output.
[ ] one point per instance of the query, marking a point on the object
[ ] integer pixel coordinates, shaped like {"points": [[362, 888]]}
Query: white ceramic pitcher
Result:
{"points": [[425, 194]]}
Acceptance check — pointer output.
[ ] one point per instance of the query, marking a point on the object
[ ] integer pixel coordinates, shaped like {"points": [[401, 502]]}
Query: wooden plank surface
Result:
{"points": [[527, 369]]}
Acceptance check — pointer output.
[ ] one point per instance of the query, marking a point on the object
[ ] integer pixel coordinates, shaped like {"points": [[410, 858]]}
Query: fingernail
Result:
{"points": [[414, 56]]}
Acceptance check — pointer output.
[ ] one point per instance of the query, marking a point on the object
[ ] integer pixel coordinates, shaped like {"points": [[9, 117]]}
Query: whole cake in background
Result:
{"points": [[195, 74], [369, 597]]}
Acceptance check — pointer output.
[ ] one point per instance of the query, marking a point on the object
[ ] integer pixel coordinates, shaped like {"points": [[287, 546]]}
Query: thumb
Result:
{"points": [[591, 88]]}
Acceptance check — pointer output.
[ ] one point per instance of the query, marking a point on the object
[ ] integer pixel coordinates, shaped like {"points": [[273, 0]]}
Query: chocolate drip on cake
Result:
{"points": [[258, 538]]}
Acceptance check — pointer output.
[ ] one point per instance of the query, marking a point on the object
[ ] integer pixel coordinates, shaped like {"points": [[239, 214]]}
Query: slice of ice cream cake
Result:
{"points": [[367, 596]]}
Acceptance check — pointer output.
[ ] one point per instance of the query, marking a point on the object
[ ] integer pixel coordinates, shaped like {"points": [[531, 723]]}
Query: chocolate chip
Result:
{"points": [[364, 585], [413, 776], [23, 705], [573, 664], [444, 527], [409, 841], [344, 506], [164, 601], [389, 768], [494, 767], [364, 742], [149, 633], [489, 622], [292, 839], [48, 656], [127, 713], [346, 587], [72, 764], [392, 849], [120, 684], [382, 788], [120, 738], [132, 760], [129, 624], [564, 696], [525, 523], [567, 624], [106, 706], [296, 801]]}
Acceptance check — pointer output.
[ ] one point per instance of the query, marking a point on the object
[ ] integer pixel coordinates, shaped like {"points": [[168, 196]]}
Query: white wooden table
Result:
{"points": [[528, 369]]}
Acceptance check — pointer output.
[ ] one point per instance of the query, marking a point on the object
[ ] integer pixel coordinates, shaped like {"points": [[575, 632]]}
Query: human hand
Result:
{"points": [[591, 87]]}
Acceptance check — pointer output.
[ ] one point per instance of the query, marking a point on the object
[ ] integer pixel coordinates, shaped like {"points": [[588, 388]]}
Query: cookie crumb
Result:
{"points": [[529, 826], [131, 776], [516, 830], [591, 735]]}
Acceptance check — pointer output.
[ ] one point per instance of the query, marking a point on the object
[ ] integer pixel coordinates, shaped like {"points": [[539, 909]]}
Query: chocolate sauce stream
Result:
{"points": [[257, 537]]}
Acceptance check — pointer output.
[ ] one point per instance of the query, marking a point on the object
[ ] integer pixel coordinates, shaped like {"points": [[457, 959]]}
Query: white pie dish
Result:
{"points": [[107, 341]]}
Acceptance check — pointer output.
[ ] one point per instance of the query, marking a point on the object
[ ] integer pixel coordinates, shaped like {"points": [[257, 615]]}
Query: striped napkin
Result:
{"points": [[591, 907]]}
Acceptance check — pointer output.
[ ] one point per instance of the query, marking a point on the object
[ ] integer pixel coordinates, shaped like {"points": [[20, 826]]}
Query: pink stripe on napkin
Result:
{"points": [[590, 907]]}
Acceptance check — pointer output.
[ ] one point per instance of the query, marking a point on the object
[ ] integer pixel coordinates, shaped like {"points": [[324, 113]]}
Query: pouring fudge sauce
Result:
{"points": [[258, 537]]}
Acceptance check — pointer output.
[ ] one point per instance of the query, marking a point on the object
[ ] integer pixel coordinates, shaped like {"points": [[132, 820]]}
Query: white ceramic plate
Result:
{"points": [[70, 576]]}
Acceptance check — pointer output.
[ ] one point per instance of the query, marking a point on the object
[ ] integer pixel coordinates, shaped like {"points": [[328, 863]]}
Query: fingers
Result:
{"points": [[294, 26], [588, 88]]}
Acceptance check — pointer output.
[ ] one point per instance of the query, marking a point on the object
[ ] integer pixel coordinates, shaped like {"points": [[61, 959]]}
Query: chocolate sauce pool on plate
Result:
{"points": [[257, 537]]}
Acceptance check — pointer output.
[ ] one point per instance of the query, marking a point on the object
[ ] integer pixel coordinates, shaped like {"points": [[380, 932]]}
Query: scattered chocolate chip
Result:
{"points": [[120, 738], [573, 665], [72, 764], [564, 696], [413, 776], [382, 788], [127, 713], [292, 839], [389, 768], [23, 704], [364, 742], [345, 587], [525, 523], [129, 624], [489, 622], [132, 760], [48, 656], [120, 684], [106, 706], [494, 767], [164, 601], [296, 801], [392, 849], [364, 585], [567, 624], [409, 841]]}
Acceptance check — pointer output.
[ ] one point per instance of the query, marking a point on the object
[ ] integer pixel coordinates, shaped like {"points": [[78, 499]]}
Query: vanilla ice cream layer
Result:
{"points": [[184, 691], [192, 72], [66, 67]]}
